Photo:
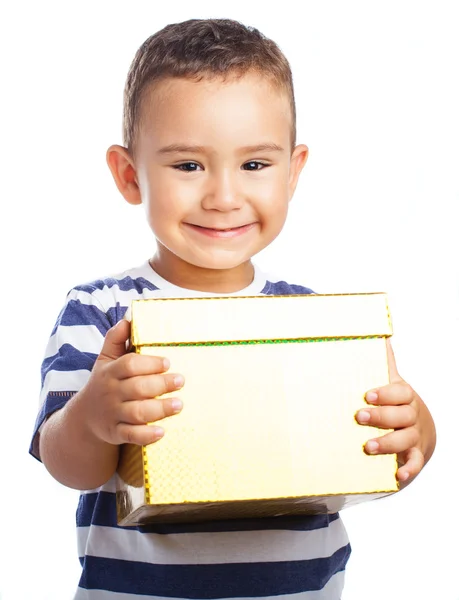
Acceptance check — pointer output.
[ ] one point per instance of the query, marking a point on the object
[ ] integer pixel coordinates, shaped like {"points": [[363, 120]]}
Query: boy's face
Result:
{"points": [[215, 170]]}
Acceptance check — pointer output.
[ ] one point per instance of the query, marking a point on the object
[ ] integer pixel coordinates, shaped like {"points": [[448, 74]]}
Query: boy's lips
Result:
{"points": [[221, 233]]}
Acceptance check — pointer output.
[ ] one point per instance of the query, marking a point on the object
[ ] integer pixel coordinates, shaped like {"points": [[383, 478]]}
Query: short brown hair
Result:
{"points": [[202, 48]]}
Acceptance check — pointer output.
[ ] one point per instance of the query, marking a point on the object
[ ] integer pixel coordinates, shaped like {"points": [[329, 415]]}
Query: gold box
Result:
{"points": [[272, 385]]}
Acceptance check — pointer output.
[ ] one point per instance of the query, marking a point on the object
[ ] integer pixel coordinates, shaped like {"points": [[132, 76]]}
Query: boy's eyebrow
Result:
{"points": [[182, 148], [268, 147], [176, 148]]}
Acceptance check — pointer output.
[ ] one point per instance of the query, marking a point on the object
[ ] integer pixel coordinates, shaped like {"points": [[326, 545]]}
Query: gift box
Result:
{"points": [[272, 385]]}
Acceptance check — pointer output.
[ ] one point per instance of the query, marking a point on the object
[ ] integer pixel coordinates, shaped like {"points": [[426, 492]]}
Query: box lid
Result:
{"points": [[313, 316]]}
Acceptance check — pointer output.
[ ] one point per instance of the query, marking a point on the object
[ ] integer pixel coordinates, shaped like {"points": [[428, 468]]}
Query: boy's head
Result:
{"points": [[209, 130], [197, 50]]}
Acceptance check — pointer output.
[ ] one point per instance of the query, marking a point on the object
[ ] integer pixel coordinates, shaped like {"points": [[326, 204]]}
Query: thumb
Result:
{"points": [[394, 375], [115, 341]]}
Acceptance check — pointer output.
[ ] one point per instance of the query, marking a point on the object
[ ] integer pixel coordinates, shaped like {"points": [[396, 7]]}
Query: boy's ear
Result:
{"points": [[297, 162], [123, 170]]}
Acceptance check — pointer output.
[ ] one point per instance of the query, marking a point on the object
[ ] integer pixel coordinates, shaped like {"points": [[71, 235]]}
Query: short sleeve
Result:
{"points": [[75, 343]]}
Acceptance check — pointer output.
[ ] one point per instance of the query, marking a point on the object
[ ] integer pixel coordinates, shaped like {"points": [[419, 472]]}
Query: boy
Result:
{"points": [[209, 133]]}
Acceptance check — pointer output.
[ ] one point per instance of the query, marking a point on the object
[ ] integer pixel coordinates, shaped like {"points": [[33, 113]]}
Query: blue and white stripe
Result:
{"points": [[282, 557]]}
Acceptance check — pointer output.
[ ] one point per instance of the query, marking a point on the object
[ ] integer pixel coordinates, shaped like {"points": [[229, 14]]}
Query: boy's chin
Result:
{"points": [[220, 264]]}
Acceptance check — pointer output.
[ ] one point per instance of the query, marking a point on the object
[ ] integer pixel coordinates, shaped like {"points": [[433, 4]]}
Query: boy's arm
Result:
{"points": [[71, 453], [79, 444], [68, 447]]}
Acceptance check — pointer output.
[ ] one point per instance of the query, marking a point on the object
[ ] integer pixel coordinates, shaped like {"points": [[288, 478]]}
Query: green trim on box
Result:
{"points": [[263, 342]]}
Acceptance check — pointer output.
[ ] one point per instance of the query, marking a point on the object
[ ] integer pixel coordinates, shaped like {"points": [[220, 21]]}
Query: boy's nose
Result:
{"points": [[222, 193]]}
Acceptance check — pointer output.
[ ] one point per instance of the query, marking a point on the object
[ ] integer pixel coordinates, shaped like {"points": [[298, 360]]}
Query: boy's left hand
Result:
{"points": [[397, 406]]}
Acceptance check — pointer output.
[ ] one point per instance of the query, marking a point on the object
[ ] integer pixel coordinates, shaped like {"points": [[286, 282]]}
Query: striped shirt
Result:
{"points": [[295, 557]]}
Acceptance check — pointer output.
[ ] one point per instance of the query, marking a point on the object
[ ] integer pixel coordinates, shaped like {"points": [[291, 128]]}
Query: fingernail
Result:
{"points": [[177, 405], [372, 446], [158, 431], [371, 396], [178, 381], [363, 416], [403, 476], [166, 363]]}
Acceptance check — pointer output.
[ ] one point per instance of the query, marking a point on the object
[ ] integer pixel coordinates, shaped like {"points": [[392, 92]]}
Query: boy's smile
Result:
{"points": [[219, 233], [215, 171]]}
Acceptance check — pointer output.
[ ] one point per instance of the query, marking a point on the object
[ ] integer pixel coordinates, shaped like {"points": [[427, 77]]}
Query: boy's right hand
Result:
{"points": [[121, 395]]}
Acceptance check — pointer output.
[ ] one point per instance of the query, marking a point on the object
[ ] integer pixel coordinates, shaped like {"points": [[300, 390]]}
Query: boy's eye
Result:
{"points": [[253, 165], [188, 167]]}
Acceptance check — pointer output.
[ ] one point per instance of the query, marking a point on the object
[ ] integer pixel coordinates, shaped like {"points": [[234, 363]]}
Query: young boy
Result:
{"points": [[209, 133]]}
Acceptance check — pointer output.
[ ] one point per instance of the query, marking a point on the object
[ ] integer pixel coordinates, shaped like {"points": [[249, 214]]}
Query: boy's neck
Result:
{"points": [[184, 275]]}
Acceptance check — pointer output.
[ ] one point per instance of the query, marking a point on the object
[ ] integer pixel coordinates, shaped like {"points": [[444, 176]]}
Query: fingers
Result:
{"points": [[395, 406], [414, 463], [138, 434], [388, 417], [133, 365], [140, 412], [146, 387], [134, 416], [395, 442], [393, 394]]}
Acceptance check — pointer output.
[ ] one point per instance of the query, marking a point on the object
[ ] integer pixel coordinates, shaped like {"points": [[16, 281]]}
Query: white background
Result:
{"points": [[376, 210]]}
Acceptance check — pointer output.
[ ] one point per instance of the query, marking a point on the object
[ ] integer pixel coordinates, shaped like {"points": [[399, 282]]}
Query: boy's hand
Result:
{"points": [[121, 395], [398, 407]]}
